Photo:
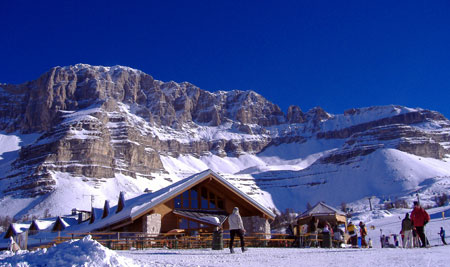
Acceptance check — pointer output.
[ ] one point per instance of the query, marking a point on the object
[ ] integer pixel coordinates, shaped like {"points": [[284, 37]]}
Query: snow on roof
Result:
{"points": [[321, 209], [20, 227], [137, 206], [211, 219], [69, 220], [44, 224]]}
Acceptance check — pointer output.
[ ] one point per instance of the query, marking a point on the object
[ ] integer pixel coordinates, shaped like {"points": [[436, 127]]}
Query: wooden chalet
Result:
{"points": [[199, 203]]}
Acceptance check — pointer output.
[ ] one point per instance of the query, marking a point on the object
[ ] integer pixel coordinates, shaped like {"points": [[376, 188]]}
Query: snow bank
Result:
{"points": [[83, 252]]}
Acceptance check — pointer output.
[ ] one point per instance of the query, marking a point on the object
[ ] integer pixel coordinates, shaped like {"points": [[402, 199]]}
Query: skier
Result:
{"points": [[407, 228], [363, 233], [420, 218], [442, 235], [236, 228]]}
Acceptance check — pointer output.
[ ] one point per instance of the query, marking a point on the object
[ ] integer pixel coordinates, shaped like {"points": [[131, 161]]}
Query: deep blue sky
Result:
{"points": [[333, 54]]}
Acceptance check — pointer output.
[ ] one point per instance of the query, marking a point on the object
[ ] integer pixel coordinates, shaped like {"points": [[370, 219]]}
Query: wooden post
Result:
{"points": [[26, 240]]}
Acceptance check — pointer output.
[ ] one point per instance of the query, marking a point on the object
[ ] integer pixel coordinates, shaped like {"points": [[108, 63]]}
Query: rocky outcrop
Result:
{"points": [[399, 136], [295, 115], [413, 117], [99, 121]]}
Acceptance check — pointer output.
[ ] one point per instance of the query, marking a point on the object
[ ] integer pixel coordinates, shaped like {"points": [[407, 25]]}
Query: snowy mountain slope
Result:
{"points": [[101, 130]]}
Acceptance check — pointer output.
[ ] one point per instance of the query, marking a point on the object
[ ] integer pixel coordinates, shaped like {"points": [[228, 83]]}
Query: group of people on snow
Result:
{"points": [[413, 228], [353, 232]]}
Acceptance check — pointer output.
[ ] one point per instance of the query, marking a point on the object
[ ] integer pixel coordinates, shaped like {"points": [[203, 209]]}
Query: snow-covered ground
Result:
{"points": [[438, 256], [88, 252]]}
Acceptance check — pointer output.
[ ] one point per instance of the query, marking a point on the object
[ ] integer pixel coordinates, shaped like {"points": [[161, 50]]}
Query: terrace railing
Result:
{"points": [[138, 240]]}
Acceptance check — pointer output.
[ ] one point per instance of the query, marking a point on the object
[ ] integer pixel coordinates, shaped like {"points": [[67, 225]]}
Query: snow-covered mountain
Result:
{"points": [[82, 133]]}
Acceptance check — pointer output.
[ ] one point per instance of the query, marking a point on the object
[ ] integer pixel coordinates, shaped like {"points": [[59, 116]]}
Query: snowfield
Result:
{"points": [[438, 256]]}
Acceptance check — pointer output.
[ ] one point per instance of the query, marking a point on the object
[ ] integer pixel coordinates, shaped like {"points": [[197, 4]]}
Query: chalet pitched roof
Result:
{"points": [[135, 207], [321, 209]]}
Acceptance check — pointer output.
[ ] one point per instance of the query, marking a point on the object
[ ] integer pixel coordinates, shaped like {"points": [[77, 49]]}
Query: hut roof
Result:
{"points": [[62, 223], [16, 228], [322, 210], [20, 227], [43, 224]]}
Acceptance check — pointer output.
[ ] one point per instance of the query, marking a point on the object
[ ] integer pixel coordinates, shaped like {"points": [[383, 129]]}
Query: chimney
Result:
{"points": [[92, 219], [121, 203], [106, 209]]}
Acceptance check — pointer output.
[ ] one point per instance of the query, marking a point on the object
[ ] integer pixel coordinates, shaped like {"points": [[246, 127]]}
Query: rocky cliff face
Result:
{"points": [[97, 121]]}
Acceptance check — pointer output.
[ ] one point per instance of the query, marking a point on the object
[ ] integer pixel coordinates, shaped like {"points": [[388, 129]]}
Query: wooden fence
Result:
{"points": [[129, 240]]}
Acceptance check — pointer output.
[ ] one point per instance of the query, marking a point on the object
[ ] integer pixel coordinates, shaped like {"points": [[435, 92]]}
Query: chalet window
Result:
{"points": [[194, 198], [199, 198], [186, 199], [178, 202], [184, 224], [212, 200], [188, 224], [204, 201]]}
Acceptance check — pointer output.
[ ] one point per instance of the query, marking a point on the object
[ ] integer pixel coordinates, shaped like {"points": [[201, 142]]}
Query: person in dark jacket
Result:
{"points": [[363, 233], [313, 229], [420, 218], [407, 228], [442, 235]]}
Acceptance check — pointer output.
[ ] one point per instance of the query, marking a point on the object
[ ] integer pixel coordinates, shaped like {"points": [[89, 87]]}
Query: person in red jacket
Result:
{"points": [[420, 218]]}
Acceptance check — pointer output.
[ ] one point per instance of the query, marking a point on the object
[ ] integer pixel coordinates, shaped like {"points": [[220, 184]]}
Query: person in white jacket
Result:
{"points": [[236, 228]]}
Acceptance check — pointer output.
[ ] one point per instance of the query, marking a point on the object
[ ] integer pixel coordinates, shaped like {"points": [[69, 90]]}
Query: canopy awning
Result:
{"points": [[214, 218], [323, 212]]}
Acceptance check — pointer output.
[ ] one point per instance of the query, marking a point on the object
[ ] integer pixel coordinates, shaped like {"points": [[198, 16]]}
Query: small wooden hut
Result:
{"points": [[323, 212]]}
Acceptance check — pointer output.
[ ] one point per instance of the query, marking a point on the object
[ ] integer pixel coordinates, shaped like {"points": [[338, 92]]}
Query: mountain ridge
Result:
{"points": [[98, 122]]}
